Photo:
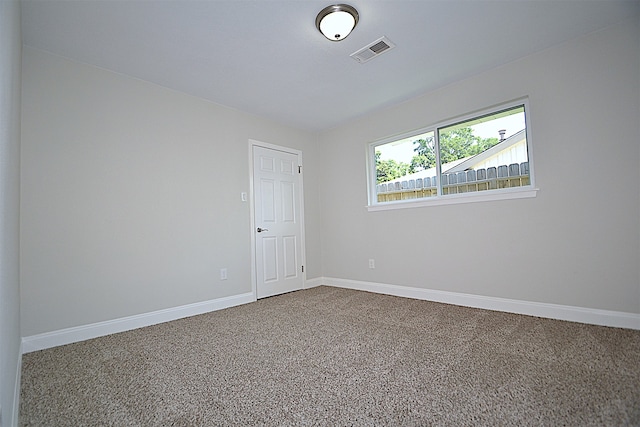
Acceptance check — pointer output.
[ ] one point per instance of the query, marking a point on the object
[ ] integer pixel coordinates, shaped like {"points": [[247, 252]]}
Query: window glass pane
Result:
{"points": [[406, 169], [485, 153]]}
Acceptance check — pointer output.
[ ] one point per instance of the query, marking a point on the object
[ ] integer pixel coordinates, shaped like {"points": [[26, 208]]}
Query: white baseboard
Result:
{"points": [[81, 333], [553, 311], [312, 283], [16, 391], [592, 316]]}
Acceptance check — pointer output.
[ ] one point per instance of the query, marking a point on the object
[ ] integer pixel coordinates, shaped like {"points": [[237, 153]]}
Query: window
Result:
{"points": [[484, 156]]}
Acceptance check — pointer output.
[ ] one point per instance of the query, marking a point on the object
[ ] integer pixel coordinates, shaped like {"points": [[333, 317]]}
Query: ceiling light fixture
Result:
{"points": [[337, 21]]}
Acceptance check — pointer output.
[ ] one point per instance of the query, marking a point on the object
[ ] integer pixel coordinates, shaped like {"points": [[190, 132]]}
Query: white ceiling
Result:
{"points": [[266, 57]]}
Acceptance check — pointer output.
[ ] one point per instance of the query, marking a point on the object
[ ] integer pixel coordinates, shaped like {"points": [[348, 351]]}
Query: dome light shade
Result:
{"points": [[336, 22]]}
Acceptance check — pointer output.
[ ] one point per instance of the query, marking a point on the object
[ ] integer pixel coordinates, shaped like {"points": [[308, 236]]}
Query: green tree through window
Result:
{"points": [[455, 144], [388, 170]]}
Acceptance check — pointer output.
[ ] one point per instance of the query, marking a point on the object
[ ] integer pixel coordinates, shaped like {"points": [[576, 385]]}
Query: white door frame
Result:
{"points": [[298, 153]]}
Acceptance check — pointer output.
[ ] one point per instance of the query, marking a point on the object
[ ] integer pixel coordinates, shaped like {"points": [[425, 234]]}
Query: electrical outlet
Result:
{"points": [[372, 263], [223, 274]]}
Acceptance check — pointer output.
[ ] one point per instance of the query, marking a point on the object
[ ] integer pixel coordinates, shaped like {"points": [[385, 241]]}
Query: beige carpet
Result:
{"points": [[335, 357]]}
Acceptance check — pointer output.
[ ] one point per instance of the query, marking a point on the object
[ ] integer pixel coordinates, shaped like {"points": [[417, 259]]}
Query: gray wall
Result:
{"points": [[10, 51], [577, 243], [131, 195], [131, 192]]}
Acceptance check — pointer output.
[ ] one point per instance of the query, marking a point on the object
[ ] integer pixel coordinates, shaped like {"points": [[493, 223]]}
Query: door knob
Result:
{"points": [[260, 230]]}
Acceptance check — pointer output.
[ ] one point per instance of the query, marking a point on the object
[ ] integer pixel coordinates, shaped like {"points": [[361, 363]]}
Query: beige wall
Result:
{"points": [[577, 243], [10, 51], [131, 196]]}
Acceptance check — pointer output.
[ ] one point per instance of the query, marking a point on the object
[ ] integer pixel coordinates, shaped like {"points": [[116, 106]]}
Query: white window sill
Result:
{"points": [[454, 199]]}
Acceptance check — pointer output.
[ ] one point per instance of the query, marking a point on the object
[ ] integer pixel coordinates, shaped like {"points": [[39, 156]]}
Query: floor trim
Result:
{"points": [[592, 316], [552, 311], [16, 391], [94, 330], [312, 283]]}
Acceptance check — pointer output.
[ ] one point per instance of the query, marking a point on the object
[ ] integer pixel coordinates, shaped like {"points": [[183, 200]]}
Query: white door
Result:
{"points": [[277, 213]]}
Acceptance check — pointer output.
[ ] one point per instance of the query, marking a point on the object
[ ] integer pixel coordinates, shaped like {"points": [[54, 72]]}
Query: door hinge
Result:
{"points": [[303, 268], [299, 169]]}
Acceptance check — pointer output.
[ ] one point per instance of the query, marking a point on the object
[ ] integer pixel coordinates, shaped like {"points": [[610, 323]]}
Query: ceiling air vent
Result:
{"points": [[372, 50]]}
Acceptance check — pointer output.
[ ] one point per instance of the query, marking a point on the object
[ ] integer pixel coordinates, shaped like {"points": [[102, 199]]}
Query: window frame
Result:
{"points": [[525, 191]]}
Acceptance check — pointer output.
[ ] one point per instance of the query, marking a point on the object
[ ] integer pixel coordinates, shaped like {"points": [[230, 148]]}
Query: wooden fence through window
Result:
{"points": [[493, 178]]}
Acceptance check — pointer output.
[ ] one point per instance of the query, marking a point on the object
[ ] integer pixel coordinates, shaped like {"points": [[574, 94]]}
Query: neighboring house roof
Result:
{"points": [[471, 162]]}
